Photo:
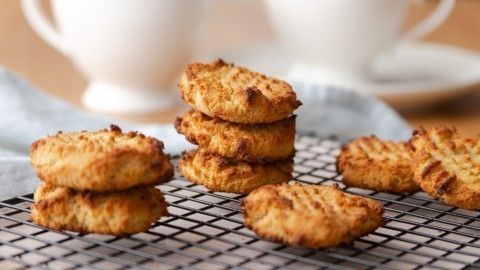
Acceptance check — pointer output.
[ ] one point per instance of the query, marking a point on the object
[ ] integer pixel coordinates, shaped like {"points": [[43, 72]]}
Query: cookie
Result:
{"points": [[254, 143], [118, 213], [236, 94], [371, 163], [446, 166], [104, 160], [217, 173], [312, 216]]}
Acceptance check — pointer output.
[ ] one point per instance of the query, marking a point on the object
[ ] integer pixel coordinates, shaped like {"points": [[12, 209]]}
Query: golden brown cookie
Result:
{"points": [[313, 216], [217, 173], [447, 166], [118, 213], [104, 160], [236, 94], [371, 163], [255, 143]]}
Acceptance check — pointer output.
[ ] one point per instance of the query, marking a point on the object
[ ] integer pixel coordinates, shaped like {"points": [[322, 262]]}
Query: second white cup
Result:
{"points": [[346, 35]]}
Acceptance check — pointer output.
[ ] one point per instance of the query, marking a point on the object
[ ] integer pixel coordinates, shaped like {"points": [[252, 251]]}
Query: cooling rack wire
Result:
{"points": [[205, 231]]}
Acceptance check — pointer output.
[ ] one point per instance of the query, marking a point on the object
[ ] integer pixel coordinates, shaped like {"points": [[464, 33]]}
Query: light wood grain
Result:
{"points": [[24, 52]]}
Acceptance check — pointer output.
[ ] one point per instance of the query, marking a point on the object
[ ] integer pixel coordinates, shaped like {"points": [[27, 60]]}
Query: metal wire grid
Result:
{"points": [[206, 231]]}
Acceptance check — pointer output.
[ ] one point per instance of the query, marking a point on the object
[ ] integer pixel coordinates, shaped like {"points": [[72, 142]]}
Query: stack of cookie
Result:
{"points": [[243, 124], [99, 182]]}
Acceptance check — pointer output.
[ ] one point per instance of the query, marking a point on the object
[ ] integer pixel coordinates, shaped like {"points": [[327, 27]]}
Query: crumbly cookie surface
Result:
{"points": [[236, 94], [104, 160], [255, 143], [221, 174], [371, 163], [118, 213], [313, 216], [447, 166]]}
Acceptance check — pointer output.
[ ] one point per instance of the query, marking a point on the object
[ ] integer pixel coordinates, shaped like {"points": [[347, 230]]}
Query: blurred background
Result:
{"points": [[231, 26]]}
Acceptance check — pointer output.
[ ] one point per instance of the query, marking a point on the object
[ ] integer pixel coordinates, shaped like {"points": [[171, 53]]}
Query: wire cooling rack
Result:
{"points": [[205, 231]]}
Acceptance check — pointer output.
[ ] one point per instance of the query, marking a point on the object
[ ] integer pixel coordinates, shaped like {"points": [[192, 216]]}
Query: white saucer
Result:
{"points": [[413, 75]]}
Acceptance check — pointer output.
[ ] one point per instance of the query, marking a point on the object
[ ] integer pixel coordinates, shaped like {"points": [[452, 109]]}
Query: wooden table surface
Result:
{"points": [[24, 52]]}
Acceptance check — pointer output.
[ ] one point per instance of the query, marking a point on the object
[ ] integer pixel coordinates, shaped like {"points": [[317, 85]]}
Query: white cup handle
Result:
{"points": [[39, 22], [436, 18]]}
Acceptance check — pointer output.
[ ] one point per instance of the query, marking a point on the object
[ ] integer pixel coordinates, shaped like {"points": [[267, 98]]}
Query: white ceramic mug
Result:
{"points": [[129, 49], [346, 35]]}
